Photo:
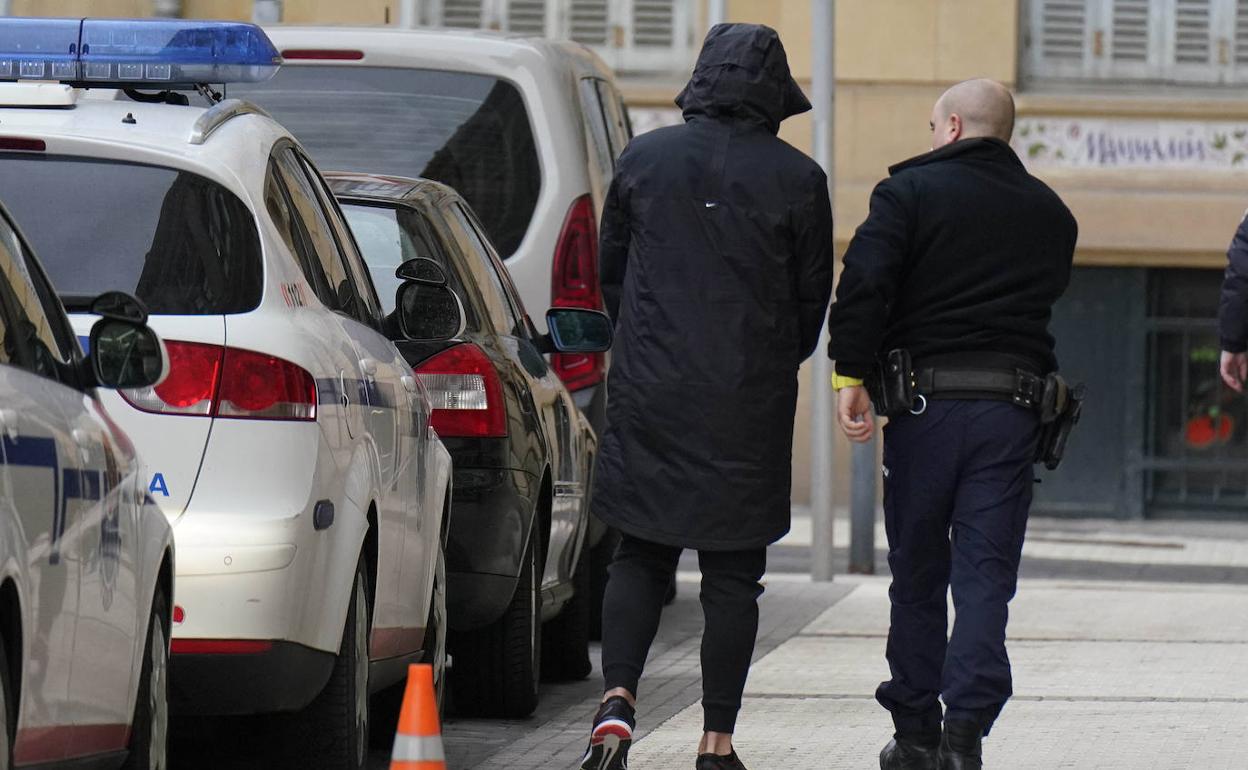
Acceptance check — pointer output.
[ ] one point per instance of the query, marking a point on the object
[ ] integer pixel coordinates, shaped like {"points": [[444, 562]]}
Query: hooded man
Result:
{"points": [[716, 259]]}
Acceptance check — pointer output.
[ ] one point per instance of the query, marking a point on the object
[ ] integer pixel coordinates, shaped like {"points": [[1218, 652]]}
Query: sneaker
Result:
{"points": [[719, 762], [611, 737]]}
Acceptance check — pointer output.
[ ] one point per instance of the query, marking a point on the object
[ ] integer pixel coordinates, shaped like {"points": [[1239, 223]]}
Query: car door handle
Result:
{"points": [[369, 367], [8, 423], [409, 383], [342, 390]]}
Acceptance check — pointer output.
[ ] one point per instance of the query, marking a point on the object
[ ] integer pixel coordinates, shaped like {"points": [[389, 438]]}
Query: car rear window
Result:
{"points": [[469, 131], [180, 242]]}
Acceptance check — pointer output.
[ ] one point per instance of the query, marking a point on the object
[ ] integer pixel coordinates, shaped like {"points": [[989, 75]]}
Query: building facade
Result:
{"points": [[1136, 111]]}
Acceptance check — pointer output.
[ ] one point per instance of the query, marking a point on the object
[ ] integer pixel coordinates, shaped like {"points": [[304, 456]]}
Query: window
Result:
{"points": [[29, 338], [1196, 452], [478, 260], [333, 284], [632, 35], [1176, 41], [180, 242], [469, 131]]}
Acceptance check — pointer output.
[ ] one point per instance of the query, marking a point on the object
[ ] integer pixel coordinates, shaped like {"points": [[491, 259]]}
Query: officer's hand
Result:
{"points": [[853, 411], [1235, 370]]}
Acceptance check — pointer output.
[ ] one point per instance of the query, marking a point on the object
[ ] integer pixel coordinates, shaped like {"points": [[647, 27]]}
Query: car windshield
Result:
{"points": [[181, 243], [471, 132]]}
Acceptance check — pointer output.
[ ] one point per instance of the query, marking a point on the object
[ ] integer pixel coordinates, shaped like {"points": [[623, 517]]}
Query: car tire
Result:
{"points": [[332, 733], [565, 639], [497, 668], [8, 712], [600, 557], [149, 734], [387, 703]]}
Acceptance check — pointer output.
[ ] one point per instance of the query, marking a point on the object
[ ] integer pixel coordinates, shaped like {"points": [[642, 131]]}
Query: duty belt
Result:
{"points": [[1020, 387]]}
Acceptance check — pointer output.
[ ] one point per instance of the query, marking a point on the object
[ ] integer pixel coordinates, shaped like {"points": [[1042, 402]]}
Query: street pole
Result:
{"points": [[862, 508], [823, 94], [409, 14], [6, 7], [170, 9], [716, 12]]}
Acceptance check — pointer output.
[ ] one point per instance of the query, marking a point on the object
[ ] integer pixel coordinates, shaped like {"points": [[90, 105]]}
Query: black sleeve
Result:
{"points": [[873, 268], [614, 235], [1233, 310], [814, 263]]}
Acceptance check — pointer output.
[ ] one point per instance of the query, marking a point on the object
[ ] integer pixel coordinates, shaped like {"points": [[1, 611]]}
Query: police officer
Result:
{"points": [[1233, 312], [956, 269]]}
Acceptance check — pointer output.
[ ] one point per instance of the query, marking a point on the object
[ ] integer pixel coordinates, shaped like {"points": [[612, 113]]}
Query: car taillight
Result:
{"points": [[466, 392], [574, 283], [216, 381], [264, 387]]}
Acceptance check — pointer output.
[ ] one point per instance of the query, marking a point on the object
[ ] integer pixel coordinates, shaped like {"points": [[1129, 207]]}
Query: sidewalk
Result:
{"points": [[1107, 675]]}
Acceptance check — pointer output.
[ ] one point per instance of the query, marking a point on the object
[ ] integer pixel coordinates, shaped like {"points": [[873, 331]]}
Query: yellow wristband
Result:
{"points": [[840, 381]]}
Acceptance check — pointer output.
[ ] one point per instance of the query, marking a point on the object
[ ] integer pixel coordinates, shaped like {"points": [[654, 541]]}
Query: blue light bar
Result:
{"points": [[127, 53]]}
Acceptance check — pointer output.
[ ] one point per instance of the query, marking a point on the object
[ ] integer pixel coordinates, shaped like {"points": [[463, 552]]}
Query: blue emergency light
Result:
{"points": [[132, 53]]}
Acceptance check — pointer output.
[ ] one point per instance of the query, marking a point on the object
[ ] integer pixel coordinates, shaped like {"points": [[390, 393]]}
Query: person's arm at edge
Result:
{"points": [[815, 258], [1233, 312], [615, 233]]}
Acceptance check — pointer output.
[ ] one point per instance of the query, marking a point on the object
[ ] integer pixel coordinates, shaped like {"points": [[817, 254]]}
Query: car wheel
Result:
{"points": [[565, 640], [333, 730], [7, 712], [600, 557], [149, 735], [497, 668]]}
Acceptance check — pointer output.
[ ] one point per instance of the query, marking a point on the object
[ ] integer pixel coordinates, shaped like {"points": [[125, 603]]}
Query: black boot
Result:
{"points": [[907, 754], [961, 746]]}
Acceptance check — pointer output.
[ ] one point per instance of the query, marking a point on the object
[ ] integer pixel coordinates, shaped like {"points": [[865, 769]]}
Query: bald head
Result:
{"points": [[973, 108]]}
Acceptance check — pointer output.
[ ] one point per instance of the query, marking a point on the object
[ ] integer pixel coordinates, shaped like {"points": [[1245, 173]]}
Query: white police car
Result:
{"points": [[290, 443], [86, 558]]}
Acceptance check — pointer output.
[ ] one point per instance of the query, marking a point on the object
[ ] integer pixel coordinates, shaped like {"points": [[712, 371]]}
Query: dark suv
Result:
{"points": [[523, 452]]}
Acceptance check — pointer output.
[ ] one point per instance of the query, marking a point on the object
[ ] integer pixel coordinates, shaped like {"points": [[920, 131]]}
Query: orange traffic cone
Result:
{"points": [[418, 743]]}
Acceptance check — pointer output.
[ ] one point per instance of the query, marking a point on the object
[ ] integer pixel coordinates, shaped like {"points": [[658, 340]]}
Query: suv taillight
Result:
{"points": [[216, 381], [574, 283], [466, 392]]}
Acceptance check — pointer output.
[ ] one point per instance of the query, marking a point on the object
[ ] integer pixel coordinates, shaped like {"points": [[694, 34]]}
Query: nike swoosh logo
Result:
{"points": [[711, 205]]}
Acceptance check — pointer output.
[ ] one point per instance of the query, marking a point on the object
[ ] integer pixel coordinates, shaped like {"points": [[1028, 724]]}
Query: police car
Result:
{"points": [[291, 444], [86, 557]]}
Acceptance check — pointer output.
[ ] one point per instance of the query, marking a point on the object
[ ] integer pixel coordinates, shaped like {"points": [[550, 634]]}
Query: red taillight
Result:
{"points": [[328, 54], [466, 393], [22, 145], [265, 387], [219, 646], [212, 380], [574, 283]]}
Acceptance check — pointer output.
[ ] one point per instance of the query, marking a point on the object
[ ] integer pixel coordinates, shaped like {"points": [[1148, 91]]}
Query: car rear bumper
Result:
{"points": [[284, 677], [491, 518]]}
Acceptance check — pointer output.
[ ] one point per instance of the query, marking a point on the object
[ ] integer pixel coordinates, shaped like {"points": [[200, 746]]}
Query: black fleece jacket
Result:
{"points": [[963, 254], [1233, 311]]}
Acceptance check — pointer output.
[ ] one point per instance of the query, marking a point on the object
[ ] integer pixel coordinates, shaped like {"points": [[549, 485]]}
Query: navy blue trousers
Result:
{"points": [[957, 488]]}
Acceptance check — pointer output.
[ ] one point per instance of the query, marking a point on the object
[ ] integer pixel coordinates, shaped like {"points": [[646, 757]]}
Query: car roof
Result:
{"points": [[208, 138], [494, 52], [390, 189]]}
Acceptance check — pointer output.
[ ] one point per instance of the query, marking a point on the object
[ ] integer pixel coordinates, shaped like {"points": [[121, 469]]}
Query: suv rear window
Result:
{"points": [[180, 242], [471, 132]]}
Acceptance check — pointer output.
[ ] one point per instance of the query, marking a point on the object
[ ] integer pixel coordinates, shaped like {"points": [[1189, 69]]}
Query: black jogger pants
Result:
{"points": [[637, 586]]}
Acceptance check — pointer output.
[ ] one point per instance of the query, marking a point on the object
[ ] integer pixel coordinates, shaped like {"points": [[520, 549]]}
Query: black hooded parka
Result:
{"points": [[716, 259]]}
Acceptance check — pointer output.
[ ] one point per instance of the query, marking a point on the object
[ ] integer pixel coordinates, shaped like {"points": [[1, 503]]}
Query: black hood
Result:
{"points": [[743, 73]]}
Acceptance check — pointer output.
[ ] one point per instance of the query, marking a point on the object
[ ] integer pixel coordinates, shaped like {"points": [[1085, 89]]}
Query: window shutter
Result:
{"points": [[527, 17], [1059, 38], [1192, 43], [590, 22], [653, 23], [1130, 41], [461, 13]]}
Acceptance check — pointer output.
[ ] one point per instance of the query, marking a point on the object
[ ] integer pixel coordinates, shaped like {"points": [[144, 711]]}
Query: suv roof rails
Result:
{"points": [[217, 116]]}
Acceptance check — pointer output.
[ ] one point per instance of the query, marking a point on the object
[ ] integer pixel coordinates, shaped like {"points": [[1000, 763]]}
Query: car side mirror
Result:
{"points": [[429, 313], [576, 330], [125, 354], [421, 270]]}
